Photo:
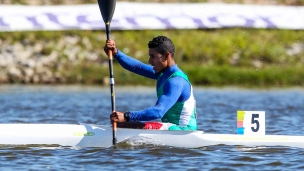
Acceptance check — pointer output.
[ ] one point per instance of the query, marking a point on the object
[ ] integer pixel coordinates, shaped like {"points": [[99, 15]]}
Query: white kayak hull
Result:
{"points": [[88, 135]]}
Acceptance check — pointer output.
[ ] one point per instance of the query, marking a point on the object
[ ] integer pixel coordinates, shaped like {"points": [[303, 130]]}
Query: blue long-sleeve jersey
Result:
{"points": [[176, 89]]}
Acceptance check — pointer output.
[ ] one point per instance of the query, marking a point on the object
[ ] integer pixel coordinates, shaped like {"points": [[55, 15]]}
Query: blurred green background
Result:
{"points": [[213, 57]]}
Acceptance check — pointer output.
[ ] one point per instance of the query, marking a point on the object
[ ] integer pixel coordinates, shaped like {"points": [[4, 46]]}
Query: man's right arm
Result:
{"points": [[134, 65]]}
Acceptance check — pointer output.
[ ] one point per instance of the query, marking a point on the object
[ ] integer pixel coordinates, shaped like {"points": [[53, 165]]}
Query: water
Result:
{"points": [[217, 114]]}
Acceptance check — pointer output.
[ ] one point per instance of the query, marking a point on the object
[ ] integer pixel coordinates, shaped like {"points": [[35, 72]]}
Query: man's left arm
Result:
{"points": [[172, 91]]}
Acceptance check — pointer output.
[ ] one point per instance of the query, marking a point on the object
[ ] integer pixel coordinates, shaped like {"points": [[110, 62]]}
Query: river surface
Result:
{"points": [[216, 107]]}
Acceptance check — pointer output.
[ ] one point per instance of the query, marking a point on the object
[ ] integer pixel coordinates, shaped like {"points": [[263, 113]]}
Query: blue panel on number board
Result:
{"points": [[240, 130]]}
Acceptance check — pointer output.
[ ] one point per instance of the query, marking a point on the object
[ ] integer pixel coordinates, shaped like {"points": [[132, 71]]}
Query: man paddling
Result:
{"points": [[175, 105]]}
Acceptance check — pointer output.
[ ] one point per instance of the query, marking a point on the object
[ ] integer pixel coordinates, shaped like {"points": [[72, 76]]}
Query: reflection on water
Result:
{"points": [[216, 114]]}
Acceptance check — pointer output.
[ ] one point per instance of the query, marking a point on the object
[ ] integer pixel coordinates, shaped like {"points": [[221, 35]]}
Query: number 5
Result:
{"points": [[254, 120]]}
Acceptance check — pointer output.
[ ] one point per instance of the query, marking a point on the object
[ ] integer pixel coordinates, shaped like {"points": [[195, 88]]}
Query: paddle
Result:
{"points": [[107, 8]]}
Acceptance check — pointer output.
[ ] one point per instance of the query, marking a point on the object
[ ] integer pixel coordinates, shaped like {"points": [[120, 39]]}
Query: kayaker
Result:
{"points": [[175, 106]]}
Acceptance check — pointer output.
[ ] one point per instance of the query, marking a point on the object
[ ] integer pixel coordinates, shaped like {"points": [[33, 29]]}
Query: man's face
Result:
{"points": [[157, 60]]}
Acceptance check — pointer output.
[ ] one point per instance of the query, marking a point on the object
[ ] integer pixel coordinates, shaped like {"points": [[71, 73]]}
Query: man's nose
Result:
{"points": [[150, 61]]}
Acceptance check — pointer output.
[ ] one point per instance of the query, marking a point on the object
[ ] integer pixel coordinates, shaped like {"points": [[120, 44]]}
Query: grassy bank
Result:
{"points": [[234, 47], [245, 57], [271, 76]]}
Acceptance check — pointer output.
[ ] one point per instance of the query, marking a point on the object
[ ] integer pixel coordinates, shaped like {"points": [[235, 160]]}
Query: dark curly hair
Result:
{"points": [[162, 44]]}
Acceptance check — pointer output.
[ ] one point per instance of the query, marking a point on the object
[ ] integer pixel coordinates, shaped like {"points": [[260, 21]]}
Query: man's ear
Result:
{"points": [[167, 54]]}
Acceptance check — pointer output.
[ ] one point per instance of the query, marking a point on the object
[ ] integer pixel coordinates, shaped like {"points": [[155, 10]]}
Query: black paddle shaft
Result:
{"points": [[107, 8]]}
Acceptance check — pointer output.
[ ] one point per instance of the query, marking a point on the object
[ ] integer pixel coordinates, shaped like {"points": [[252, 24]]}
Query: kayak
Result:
{"points": [[91, 135]]}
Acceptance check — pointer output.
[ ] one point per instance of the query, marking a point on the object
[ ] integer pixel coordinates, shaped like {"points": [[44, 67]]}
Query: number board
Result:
{"points": [[251, 122]]}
